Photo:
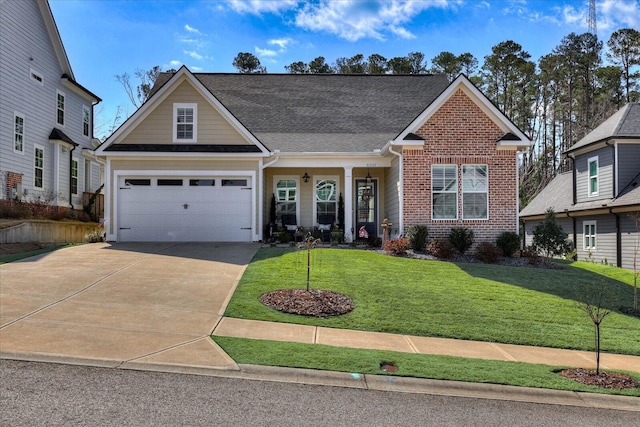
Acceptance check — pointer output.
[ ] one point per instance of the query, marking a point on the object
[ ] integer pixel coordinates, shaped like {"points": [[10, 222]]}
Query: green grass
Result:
{"points": [[515, 305], [16, 257], [322, 357]]}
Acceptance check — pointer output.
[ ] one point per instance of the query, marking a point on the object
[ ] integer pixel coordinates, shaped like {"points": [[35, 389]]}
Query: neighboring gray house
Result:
{"points": [[598, 203], [46, 117]]}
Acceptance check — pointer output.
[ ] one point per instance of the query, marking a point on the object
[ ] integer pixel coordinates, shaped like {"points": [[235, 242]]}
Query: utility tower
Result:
{"points": [[591, 19]]}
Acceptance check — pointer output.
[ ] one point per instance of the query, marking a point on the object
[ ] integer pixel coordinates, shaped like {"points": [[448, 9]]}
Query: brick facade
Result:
{"points": [[13, 179], [460, 133]]}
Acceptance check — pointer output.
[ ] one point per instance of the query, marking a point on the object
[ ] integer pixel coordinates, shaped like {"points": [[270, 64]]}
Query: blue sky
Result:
{"points": [[108, 37]]}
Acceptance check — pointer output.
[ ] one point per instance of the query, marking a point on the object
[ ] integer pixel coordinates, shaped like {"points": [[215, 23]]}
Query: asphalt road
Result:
{"points": [[39, 394]]}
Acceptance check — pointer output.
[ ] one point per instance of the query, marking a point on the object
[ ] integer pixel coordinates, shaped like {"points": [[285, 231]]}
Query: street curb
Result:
{"points": [[382, 383]]}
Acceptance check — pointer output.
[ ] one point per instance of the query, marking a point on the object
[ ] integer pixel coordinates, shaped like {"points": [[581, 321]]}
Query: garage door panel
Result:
{"points": [[184, 213]]}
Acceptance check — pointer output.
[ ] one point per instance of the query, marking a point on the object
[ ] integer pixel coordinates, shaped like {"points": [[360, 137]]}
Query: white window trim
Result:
{"points": [[36, 77], [315, 180], [584, 235], [64, 109], [479, 192], [24, 121], [455, 192], [35, 148], [597, 176], [295, 178], [77, 177], [194, 106], [88, 110]]}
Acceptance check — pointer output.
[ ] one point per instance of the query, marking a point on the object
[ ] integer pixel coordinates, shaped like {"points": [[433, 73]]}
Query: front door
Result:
{"points": [[366, 207]]}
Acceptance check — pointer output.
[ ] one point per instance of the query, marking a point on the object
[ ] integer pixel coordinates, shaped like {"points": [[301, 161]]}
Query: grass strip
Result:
{"points": [[329, 358], [16, 257]]}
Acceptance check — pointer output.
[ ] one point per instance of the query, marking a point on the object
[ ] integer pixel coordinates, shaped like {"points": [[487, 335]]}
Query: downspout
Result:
{"points": [[73, 147], [261, 187], [400, 191], [618, 239], [575, 234], [575, 178]]}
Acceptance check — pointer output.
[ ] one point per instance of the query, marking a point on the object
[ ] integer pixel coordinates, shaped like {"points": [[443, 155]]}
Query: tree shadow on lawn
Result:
{"points": [[577, 284]]}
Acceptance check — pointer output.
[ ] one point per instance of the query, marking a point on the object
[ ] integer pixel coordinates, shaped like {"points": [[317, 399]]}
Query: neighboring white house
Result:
{"points": [[46, 117]]}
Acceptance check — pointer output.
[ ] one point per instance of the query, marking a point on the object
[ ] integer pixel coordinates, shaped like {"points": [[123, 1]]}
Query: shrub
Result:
{"points": [[417, 236], [509, 242], [375, 242], [441, 249], [461, 238], [397, 246], [94, 237], [549, 237], [488, 253]]}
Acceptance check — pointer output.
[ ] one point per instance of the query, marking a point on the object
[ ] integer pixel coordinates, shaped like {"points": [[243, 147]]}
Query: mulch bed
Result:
{"points": [[314, 302], [611, 380]]}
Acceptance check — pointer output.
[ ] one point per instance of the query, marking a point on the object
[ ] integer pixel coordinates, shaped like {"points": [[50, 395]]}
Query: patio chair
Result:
{"points": [[325, 223]]}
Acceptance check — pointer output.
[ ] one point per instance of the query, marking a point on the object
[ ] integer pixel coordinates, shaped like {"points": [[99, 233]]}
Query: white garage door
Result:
{"points": [[184, 209]]}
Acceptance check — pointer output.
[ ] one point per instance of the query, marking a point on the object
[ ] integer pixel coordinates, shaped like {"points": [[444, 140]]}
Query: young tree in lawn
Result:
{"points": [[593, 305], [549, 237]]}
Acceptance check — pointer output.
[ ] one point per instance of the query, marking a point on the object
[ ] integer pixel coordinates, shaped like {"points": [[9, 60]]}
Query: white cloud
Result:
{"points": [[191, 29], [265, 52], [196, 69], [175, 64], [282, 43], [257, 7], [193, 54], [573, 16], [353, 20], [615, 14]]}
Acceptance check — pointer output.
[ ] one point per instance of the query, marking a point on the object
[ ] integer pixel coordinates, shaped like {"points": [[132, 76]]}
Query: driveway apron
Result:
{"points": [[152, 303]]}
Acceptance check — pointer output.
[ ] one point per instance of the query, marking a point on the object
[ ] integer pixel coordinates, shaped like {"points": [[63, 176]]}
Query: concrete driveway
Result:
{"points": [[124, 303]]}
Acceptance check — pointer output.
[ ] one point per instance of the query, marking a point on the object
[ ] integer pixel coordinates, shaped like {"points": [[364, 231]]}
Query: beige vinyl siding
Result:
{"points": [[157, 127], [392, 195], [630, 237]]}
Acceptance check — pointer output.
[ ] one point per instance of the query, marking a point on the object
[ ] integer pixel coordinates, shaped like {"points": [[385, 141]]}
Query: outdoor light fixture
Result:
{"points": [[368, 177], [306, 176]]}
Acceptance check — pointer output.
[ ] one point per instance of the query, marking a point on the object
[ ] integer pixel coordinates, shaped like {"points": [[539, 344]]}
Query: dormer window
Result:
{"points": [[592, 164], [185, 122]]}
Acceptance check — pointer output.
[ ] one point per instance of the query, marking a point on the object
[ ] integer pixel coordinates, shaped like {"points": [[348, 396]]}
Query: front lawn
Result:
{"points": [[516, 305]]}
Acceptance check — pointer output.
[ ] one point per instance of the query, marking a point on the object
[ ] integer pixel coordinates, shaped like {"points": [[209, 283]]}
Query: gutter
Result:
{"points": [[613, 162], [575, 178], [400, 189]]}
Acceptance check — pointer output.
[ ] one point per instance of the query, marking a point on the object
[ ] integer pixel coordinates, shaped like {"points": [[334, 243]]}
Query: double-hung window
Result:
{"points": [[326, 198], [18, 133], [60, 100], [286, 196], [74, 177], [475, 192], [185, 122], [38, 171], [589, 235], [86, 120], [592, 163], [444, 192]]}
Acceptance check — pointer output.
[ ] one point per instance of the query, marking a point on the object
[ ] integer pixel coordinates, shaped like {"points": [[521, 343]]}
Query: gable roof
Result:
{"points": [[513, 136], [624, 123], [321, 112]]}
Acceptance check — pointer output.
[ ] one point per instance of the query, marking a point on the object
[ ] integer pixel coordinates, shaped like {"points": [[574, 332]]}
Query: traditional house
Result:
{"points": [[205, 156], [46, 117], [598, 202]]}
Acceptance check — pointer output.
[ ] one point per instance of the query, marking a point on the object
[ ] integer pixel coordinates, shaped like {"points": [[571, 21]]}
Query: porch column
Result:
{"points": [[348, 203]]}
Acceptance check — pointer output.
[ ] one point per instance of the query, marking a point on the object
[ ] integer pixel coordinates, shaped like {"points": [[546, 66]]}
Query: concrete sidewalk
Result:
{"points": [[241, 328]]}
